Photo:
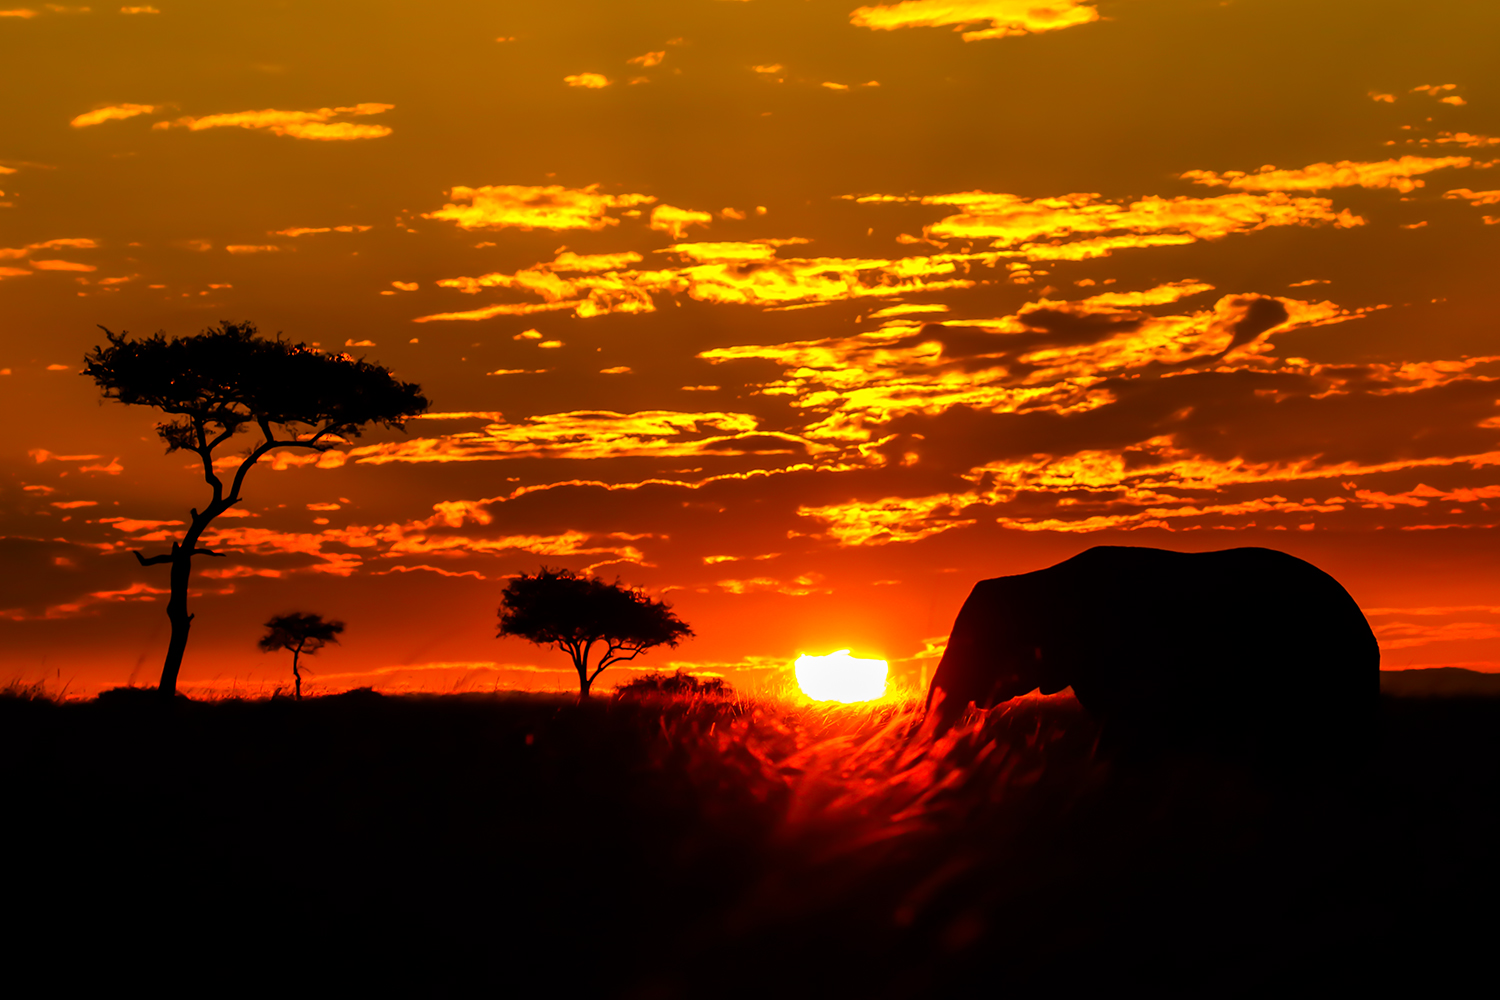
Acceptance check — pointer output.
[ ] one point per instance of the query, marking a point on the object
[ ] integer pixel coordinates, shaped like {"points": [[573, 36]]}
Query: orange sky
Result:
{"points": [[802, 315]]}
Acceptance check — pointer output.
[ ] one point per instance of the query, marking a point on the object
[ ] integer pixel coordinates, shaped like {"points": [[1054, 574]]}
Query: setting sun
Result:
{"points": [[841, 677]]}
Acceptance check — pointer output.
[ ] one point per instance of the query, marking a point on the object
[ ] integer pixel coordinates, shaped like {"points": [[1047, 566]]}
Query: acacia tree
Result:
{"points": [[578, 614], [228, 379], [300, 633]]}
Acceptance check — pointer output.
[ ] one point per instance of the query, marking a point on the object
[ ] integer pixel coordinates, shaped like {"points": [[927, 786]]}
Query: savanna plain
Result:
{"points": [[658, 844]]}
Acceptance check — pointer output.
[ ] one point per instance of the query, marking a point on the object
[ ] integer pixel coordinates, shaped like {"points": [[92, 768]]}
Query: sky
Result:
{"points": [[800, 315]]}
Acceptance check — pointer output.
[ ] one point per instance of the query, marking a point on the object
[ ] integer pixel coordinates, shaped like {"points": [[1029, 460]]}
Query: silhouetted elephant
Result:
{"points": [[1243, 649]]}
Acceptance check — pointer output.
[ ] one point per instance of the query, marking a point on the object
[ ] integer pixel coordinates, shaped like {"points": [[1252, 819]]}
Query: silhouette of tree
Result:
{"points": [[225, 380], [577, 613], [300, 633]]}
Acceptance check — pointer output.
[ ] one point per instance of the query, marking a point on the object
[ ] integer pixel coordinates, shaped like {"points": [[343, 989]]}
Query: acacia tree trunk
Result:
{"points": [[182, 621], [295, 673], [177, 612]]}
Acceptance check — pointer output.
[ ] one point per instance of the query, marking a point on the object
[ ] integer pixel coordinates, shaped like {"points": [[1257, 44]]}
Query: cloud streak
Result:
{"points": [[977, 19], [317, 125]]}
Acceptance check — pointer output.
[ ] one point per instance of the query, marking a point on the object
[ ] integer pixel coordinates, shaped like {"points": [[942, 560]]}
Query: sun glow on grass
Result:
{"points": [[841, 677]]}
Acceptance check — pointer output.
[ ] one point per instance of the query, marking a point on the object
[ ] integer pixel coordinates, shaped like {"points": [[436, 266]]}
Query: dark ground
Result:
{"points": [[705, 847]]}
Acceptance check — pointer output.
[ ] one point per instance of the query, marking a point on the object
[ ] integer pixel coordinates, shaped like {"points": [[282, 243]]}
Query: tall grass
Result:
{"points": [[675, 847]]}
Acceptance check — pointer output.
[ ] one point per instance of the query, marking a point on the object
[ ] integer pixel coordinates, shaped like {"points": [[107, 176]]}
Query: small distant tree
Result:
{"points": [[300, 633], [582, 614], [225, 380], [674, 685]]}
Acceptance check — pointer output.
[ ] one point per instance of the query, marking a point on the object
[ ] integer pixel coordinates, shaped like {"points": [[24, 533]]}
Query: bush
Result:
{"points": [[674, 685]]}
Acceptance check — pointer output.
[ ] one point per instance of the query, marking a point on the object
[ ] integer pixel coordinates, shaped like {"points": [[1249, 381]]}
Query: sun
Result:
{"points": [[841, 677]]}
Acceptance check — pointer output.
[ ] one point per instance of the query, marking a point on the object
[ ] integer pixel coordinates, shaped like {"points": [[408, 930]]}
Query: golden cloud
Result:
{"points": [[1434, 89], [297, 124], [648, 60], [1475, 198], [891, 519], [583, 434], [252, 248], [800, 586], [1021, 224], [675, 221], [1398, 174], [331, 546], [1132, 491], [590, 81], [18, 13], [14, 253], [977, 19], [61, 265], [726, 273], [526, 208], [296, 231], [111, 113], [854, 385]]}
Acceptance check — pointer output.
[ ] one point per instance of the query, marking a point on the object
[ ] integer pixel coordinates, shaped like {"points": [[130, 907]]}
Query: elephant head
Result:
{"points": [[994, 653]]}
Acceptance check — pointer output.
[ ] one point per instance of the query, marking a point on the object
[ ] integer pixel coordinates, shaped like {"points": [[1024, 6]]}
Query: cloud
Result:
{"points": [[344, 551], [111, 113], [296, 231], [1045, 228], [890, 519], [297, 124], [581, 434], [1383, 98], [252, 248], [1398, 174], [675, 221], [61, 265], [649, 59], [1465, 139], [1434, 89], [730, 273], [139, 10], [1051, 356], [590, 81], [23, 13], [800, 586], [526, 208], [982, 18], [14, 253], [1475, 198]]}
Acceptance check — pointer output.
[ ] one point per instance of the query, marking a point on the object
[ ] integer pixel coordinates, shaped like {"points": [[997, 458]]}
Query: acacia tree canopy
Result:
{"points": [[225, 378], [299, 632], [577, 613], [218, 382]]}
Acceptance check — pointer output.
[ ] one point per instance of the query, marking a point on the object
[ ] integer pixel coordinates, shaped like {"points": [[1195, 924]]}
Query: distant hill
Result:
{"points": [[1438, 681]]}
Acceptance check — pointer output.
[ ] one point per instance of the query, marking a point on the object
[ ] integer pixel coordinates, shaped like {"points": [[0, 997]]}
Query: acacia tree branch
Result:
{"points": [[151, 560], [612, 656], [205, 452]]}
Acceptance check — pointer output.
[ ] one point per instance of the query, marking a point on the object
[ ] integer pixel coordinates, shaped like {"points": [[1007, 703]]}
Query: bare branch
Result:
{"points": [[150, 561], [207, 552]]}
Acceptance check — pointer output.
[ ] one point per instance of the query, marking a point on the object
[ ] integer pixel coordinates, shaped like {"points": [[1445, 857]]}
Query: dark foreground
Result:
{"points": [[704, 848]]}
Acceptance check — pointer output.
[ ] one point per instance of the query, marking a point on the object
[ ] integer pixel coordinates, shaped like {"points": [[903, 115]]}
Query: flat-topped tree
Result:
{"points": [[228, 379], [300, 633], [579, 614]]}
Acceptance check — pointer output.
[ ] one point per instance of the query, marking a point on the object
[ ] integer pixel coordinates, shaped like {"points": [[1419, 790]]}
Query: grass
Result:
{"points": [[692, 846]]}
